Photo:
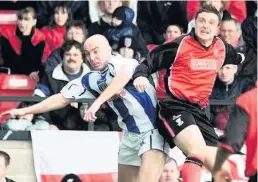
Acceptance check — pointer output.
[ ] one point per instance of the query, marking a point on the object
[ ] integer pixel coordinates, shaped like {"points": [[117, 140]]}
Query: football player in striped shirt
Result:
{"points": [[143, 150]]}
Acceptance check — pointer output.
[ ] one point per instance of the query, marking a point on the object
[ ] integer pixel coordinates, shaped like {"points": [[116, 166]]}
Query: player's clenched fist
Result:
{"points": [[141, 83]]}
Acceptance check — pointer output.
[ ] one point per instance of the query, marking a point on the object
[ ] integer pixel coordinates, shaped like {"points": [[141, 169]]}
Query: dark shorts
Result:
{"points": [[175, 115], [253, 178]]}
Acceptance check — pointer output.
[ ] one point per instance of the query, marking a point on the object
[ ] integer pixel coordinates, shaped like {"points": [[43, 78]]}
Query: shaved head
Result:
{"points": [[96, 41], [98, 51]]}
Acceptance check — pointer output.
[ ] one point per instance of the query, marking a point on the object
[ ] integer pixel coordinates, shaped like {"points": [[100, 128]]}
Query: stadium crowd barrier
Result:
{"points": [[23, 135]]}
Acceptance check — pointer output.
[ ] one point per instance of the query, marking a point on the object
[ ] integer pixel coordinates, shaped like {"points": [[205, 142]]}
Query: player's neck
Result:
{"points": [[206, 43]]}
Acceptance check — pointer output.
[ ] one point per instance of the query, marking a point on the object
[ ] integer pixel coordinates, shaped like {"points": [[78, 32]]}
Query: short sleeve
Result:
{"points": [[75, 90], [118, 62]]}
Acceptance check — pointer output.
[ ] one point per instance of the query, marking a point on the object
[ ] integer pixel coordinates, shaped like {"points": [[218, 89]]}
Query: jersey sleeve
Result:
{"points": [[233, 57], [235, 131], [76, 90], [120, 62], [162, 57]]}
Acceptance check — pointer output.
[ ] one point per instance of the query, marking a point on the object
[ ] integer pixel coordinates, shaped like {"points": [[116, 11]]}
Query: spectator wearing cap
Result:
{"points": [[75, 31], [4, 165], [122, 26]]}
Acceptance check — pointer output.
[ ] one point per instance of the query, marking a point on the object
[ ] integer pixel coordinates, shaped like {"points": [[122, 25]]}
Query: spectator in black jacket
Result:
{"points": [[4, 164], [249, 32], [228, 86], [153, 17], [75, 31]]}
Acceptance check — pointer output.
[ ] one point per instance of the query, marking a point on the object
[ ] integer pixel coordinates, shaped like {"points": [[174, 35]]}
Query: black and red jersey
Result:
{"points": [[242, 127], [191, 68]]}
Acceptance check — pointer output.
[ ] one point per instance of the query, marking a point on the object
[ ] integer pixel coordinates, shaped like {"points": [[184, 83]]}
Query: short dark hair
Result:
{"points": [[65, 8], [68, 44], [176, 25], [237, 23], [171, 159], [208, 9], [6, 157], [27, 10], [80, 24]]}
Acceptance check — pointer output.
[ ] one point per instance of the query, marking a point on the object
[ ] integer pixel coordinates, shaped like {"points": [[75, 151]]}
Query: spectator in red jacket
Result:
{"points": [[22, 47], [55, 31], [236, 8]]}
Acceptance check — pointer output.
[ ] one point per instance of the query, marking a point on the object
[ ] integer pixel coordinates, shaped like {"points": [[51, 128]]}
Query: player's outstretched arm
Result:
{"points": [[54, 102]]}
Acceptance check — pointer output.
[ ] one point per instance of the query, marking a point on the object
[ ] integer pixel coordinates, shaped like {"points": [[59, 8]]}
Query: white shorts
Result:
{"points": [[134, 145]]}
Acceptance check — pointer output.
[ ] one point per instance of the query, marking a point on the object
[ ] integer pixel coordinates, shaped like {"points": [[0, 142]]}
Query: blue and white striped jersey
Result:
{"points": [[136, 111]]}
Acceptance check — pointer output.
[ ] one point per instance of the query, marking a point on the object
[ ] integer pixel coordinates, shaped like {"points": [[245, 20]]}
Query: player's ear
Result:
{"points": [[109, 48]]}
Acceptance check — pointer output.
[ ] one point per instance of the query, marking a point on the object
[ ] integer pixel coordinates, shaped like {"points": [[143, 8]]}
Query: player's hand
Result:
{"points": [[141, 83], [222, 176], [34, 76], [89, 114], [14, 112]]}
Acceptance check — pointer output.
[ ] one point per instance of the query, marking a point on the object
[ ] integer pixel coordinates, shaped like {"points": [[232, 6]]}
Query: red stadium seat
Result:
{"points": [[14, 85], [7, 18]]}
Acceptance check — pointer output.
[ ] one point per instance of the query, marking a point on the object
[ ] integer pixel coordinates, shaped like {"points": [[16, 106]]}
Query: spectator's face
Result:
{"points": [[170, 173], [126, 52], [116, 22], [227, 73], [111, 5], [216, 3], [3, 167], [206, 27], [97, 53], [61, 16], [26, 23], [172, 31], [75, 33], [73, 59], [230, 32]]}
